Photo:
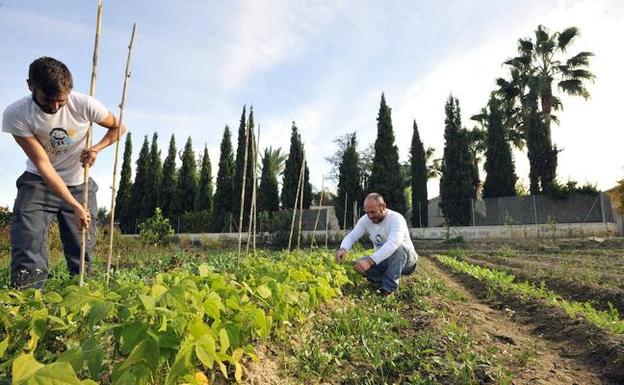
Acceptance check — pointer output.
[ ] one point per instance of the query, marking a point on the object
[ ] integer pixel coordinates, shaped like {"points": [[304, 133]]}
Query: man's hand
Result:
{"points": [[82, 217], [87, 156], [340, 255], [364, 264]]}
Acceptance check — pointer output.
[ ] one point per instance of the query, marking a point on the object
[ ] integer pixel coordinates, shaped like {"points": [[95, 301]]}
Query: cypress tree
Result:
{"points": [[292, 170], [122, 201], [456, 183], [244, 126], [154, 177], [385, 176], [224, 198], [268, 192], [138, 210], [168, 193], [187, 181], [500, 177], [419, 174], [204, 196], [349, 182]]}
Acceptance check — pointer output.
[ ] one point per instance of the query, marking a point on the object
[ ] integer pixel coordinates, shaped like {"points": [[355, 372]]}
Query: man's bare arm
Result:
{"points": [[36, 153], [114, 130]]}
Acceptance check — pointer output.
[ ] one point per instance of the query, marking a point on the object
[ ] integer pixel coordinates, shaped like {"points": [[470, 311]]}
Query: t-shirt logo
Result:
{"points": [[59, 141], [379, 240]]}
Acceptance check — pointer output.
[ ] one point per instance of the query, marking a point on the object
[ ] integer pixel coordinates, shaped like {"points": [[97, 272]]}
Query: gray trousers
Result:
{"points": [[389, 271], [34, 208]]}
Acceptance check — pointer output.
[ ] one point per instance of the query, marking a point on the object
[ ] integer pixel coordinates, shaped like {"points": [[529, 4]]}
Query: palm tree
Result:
{"points": [[537, 67], [273, 161]]}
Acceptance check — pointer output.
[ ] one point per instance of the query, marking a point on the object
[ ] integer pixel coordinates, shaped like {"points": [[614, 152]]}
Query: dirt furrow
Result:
{"points": [[534, 358]]}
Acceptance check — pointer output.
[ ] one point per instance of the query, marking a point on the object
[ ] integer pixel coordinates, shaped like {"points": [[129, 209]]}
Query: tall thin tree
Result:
{"points": [[419, 177], [224, 196], [385, 176]]}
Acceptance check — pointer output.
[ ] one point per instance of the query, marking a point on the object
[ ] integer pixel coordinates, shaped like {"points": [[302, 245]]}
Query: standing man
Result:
{"points": [[50, 126], [394, 251]]}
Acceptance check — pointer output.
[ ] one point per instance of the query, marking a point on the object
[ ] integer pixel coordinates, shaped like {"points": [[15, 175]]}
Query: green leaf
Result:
{"points": [[224, 340], [3, 346], [204, 270], [52, 297], [149, 303], [23, 368], [94, 356], [74, 357], [131, 334], [232, 302], [264, 291], [181, 364], [98, 312], [223, 370], [58, 373], [209, 346], [238, 372], [198, 328], [157, 290], [237, 355], [213, 305], [204, 356]]}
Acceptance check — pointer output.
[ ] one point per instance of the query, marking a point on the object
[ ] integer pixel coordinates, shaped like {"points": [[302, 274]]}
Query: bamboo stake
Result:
{"points": [[318, 214], [114, 190], [292, 223], [344, 223], [252, 207], [255, 194], [85, 230], [301, 200], [242, 199]]}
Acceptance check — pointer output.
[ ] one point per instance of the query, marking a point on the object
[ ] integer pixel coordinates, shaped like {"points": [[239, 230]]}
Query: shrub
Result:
{"points": [[156, 229]]}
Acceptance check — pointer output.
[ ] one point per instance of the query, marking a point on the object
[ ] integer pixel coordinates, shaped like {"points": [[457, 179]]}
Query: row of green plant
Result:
{"points": [[176, 327], [411, 337], [503, 282]]}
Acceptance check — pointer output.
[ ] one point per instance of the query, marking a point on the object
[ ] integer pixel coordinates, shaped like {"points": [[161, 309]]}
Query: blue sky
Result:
{"points": [[323, 64]]}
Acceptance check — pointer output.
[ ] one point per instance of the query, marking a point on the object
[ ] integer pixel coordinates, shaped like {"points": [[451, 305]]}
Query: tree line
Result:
{"points": [[518, 114]]}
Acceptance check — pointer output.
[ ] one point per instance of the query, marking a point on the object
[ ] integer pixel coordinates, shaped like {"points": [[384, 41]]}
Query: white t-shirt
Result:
{"points": [[386, 235], [63, 134]]}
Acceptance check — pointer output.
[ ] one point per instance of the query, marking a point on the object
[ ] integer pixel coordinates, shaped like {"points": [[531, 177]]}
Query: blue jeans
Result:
{"points": [[388, 272], [34, 208]]}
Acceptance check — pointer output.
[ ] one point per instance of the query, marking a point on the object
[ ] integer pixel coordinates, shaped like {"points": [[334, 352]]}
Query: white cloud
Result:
{"points": [[269, 32]]}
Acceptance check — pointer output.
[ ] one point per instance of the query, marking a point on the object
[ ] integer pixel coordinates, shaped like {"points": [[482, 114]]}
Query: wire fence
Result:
{"points": [[523, 210]]}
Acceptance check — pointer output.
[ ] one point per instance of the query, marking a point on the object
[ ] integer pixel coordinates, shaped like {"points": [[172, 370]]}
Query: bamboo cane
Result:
{"points": [[250, 229], [114, 190], [292, 223], [318, 214], [301, 200], [242, 199], [344, 220], [85, 229], [255, 194]]}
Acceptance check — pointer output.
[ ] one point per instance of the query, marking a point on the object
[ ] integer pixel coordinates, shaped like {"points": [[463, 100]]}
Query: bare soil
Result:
{"points": [[568, 351]]}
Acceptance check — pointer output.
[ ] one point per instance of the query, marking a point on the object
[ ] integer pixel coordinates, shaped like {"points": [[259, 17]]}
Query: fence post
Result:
{"points": [[472, 208], [534, 209], [602, 210], [419, 215]]}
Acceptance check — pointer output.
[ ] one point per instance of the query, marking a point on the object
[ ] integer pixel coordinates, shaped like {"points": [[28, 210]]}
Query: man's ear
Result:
{"points": [[31, 87]]}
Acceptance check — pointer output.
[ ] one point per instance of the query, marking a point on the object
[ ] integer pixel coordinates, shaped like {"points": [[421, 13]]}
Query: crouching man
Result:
{"points": [[394, 251]]}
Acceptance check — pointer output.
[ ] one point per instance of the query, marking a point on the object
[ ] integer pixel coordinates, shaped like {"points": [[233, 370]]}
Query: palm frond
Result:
{"points": [[525, 46], [581, 59], [541, 35], [566, 37], [574, 87], [554, 118], [555, 103], [581, 74]]}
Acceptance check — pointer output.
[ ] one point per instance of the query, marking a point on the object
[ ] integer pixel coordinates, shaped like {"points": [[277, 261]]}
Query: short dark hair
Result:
{"points": [[50, 76]]}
